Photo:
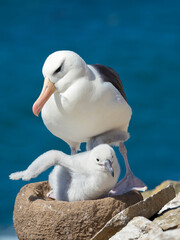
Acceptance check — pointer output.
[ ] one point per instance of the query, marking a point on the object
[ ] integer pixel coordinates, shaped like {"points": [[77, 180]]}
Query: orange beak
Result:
{"points": [[47, 91]]}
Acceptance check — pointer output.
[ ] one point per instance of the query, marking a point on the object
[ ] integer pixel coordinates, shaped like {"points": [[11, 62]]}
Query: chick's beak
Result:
{"points": [[47, 91], [108, 167]]}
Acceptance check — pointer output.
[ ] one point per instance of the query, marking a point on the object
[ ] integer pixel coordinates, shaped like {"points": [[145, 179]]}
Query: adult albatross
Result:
{"points": [[86, 103]]}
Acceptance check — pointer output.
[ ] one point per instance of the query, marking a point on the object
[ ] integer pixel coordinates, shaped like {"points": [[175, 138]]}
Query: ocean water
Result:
{"points": [[139, 39]]}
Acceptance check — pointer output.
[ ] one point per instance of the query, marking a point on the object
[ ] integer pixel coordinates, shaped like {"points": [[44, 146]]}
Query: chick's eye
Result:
{"points": [[97, 159]]}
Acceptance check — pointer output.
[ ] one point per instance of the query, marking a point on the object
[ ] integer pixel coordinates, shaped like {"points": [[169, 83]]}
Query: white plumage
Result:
{"points": [[88, 175], [85, 103]]}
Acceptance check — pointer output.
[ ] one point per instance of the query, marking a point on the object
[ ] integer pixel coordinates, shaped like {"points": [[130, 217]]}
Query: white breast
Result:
{"points": [[86, 109]]}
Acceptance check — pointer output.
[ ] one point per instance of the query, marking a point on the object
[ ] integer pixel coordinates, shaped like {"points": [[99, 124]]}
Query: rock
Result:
{"points": [[169, 235], [146, 208], [164, 184], [171, 218], [37, 217], [138, 228], [174, 203]]}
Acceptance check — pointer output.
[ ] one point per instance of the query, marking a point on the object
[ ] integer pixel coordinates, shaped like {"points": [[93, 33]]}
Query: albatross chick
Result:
{"points": [[83, 176]]}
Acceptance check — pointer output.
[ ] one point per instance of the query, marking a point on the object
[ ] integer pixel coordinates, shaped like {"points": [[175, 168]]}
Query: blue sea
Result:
{"points": [[139, 39]]}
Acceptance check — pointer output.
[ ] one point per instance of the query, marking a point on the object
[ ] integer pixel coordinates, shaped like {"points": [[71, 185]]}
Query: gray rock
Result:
{"points": [[169, 235], [169, 220], [146, 208], [139, 228], [170, 215], [174, 203]]}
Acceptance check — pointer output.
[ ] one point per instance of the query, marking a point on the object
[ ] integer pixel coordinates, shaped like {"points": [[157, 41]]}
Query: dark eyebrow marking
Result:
{"points": [[59, 68]]}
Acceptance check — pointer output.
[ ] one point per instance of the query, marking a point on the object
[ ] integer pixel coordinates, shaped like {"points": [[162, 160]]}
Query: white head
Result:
{"points": [[60, 70], [104, 159]]}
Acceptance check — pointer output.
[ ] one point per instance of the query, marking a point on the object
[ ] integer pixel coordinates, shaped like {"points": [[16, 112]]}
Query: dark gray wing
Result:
{"points": [[109, 75]]}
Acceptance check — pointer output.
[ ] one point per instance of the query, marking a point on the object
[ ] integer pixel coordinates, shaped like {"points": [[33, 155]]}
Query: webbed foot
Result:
{"points": [[51, 194], [128, 183]]}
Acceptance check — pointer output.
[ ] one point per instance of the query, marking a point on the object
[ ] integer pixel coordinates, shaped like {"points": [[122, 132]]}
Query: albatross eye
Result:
{"points": [[58, 69], [97, 159]]}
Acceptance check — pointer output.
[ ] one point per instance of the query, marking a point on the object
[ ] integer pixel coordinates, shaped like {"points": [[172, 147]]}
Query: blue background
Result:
{"points": [[139, 39]]}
